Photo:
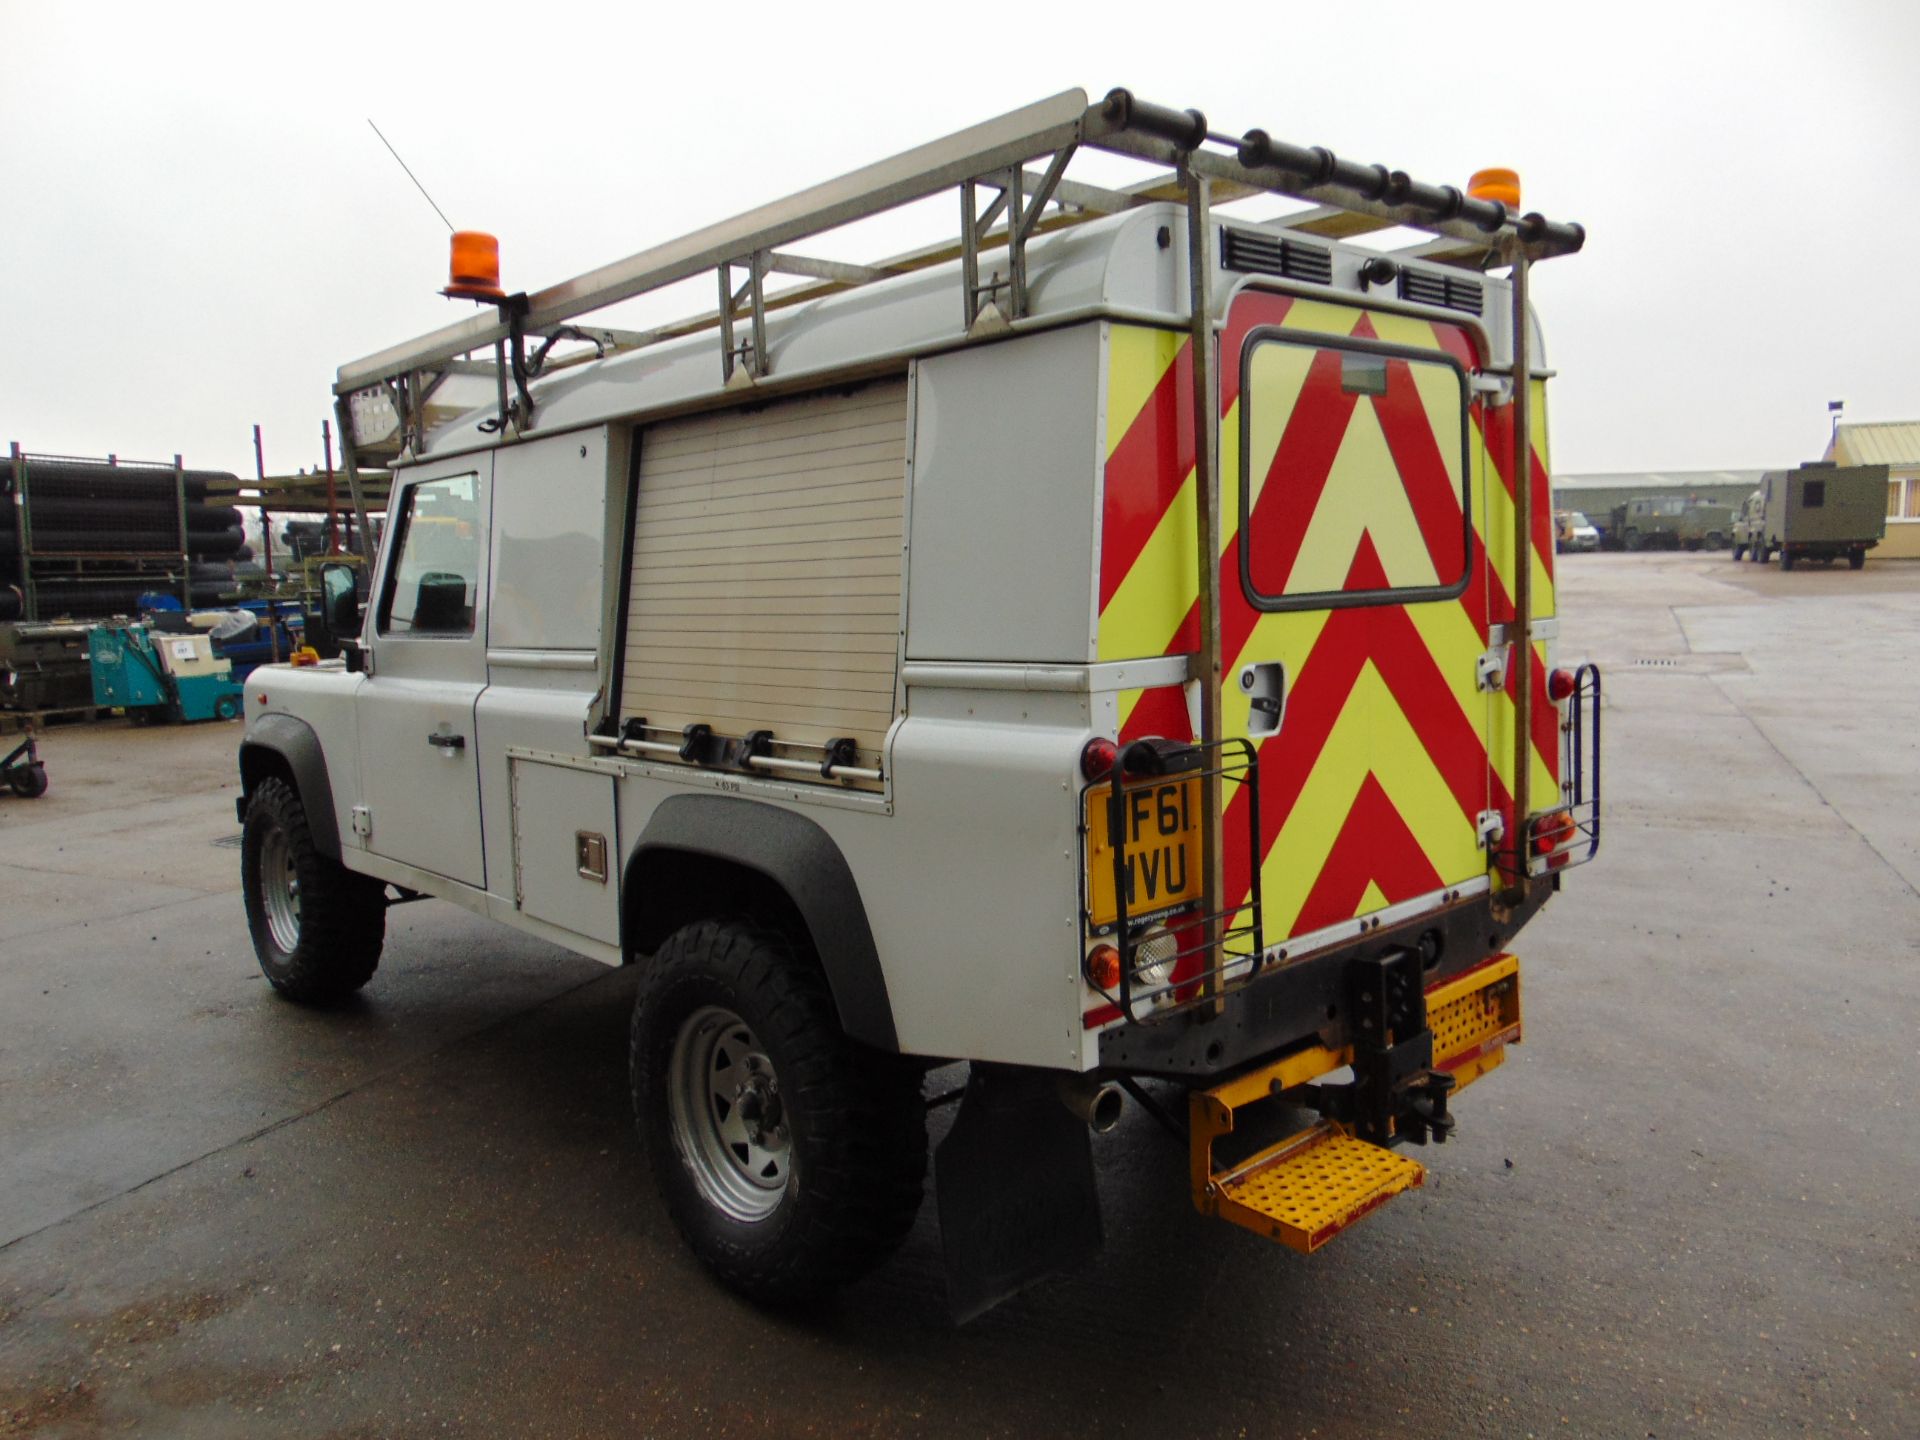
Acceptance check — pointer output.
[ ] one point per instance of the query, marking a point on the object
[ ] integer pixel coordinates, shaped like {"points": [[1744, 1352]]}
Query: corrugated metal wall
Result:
{"points": [[767, 568]]}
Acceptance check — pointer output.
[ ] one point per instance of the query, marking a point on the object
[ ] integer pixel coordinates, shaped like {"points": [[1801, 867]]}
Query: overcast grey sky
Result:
{"points": [[197, 226]]}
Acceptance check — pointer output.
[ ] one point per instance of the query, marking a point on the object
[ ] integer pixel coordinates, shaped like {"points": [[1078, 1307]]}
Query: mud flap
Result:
{"points": [[1014, 1182]]}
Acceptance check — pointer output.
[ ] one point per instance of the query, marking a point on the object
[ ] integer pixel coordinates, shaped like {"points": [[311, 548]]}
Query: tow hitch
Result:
{"points": [[1395, 1093]]}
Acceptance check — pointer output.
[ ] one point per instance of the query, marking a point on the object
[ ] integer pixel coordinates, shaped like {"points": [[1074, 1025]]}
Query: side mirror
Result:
{"points": [[335, 621], [340, 598]]}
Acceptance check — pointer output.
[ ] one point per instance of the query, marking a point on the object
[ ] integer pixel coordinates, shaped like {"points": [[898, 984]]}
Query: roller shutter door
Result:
{"points": [[765, 589]]}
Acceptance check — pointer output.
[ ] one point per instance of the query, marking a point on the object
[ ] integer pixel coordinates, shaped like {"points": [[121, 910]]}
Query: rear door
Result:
{"points": [[1354, 592], [420, 765]]}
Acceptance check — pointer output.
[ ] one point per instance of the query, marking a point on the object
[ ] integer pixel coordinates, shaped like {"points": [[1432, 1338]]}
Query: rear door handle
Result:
{"points": [[448, 742], [1265, 686]]}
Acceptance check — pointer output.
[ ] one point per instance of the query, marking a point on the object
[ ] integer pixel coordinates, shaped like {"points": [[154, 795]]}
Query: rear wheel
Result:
{"points": [[1856, 559], [1787, 557], [29, 781], [791, 1158], [317, 926]]}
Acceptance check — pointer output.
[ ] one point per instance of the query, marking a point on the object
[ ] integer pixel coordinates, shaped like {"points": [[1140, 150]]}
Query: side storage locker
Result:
{"points": [[765, 586]]}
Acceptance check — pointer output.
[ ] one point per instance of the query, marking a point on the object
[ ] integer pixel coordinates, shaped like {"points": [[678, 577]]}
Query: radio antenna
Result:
{"points": [[411, 176]]}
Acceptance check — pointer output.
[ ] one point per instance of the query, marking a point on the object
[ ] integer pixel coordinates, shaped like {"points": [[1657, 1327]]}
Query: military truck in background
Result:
{"points": [[1669, 522], [1819, 512]]}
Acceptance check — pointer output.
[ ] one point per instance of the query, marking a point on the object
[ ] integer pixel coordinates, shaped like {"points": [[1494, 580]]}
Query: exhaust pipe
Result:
{"points": [[1097, 1103]]}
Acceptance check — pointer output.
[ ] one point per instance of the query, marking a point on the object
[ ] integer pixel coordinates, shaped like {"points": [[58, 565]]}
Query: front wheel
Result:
{"points": [[1787, 557], [317, 926], [1856, 559], [791, 1158]]}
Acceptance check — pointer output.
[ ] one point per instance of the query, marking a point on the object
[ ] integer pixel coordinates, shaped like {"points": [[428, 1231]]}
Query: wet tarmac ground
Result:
{"points": [[1688, 1205]]}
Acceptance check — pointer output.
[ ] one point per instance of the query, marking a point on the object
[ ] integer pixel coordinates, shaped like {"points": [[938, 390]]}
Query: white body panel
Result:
{"points": [[553, 805], [1005, 492]]}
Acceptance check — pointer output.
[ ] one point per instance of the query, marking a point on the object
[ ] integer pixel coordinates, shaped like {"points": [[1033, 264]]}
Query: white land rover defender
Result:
{"points": [[1112, 646]]}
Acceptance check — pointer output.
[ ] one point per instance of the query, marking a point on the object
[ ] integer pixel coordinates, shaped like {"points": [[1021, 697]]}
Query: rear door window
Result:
{"points": [[1354, 486]]}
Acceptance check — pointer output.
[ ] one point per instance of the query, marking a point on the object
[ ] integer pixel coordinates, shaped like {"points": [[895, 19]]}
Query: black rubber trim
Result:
{"points": [[617, 676], [295, 742], [803, 860], [1343, 599]]}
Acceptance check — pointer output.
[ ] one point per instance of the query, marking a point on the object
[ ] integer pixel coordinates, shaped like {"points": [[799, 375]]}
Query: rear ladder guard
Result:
{"points": [[1239, 955]]}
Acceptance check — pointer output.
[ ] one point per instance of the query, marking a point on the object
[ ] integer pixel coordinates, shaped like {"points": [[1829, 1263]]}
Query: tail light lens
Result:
{"points": [[1550, 832], [1560, 685], [1103, 968], [1098, 757]]}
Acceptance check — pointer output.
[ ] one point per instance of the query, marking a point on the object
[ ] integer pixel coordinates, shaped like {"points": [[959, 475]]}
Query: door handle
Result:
{"points": [[1265, 686], [448, 742]]}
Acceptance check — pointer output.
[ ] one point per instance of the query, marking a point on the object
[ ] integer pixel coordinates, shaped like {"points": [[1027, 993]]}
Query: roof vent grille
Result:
{"points": [[1451, 292], [1259, 253]]}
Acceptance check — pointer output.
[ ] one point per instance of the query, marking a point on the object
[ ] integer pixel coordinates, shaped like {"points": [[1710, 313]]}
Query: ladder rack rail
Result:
{"points": [[990, 161]]}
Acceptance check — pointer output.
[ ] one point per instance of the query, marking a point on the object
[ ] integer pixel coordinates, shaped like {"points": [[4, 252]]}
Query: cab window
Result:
{"points": [[436, 567]]}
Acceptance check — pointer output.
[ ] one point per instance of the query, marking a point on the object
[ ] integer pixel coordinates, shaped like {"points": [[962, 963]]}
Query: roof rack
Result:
{"points": [[383, 399]]}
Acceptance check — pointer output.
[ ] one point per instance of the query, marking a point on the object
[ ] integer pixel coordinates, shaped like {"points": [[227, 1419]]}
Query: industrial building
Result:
{"points": [[1896, 445]]}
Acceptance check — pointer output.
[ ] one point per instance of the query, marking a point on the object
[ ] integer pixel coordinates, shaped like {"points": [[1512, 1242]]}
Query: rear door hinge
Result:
{"points": [[362, 822], [1497, 388], [1490, 672], [1492, 826]]}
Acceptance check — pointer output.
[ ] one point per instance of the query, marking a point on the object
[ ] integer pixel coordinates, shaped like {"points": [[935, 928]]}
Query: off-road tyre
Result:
{"points": [[339, 918], [1633, 540], [856, 1136], [1856, 559]]}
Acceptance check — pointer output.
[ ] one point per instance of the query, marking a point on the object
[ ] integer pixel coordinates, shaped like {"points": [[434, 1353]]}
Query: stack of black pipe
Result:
{"points": [[109, 512]]}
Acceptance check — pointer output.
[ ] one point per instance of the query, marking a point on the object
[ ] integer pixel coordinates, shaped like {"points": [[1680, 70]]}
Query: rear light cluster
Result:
{"points": [[1098, 758], [1103, 968], [1560, 686], [1551, 832], [1156, 951]]}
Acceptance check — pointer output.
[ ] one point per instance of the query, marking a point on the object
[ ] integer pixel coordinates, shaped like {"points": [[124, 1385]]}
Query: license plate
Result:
{"points": [[1161, 823]]}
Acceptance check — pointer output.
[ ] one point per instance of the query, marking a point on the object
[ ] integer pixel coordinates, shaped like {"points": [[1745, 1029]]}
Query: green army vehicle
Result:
{"points": [[1669, 522], [1817, 512]]}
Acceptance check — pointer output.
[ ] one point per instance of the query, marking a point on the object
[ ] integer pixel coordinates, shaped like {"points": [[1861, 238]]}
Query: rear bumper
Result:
{"points": [[1302, 1003]]}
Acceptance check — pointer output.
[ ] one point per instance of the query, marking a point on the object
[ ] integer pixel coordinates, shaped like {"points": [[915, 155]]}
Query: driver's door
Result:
{"points": [[419, 760]]}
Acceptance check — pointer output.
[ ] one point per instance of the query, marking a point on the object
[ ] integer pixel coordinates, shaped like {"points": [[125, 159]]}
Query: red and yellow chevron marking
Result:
{"points": [[1371, 792]]}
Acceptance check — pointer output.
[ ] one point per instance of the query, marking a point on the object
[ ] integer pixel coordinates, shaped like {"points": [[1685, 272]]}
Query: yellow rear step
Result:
{"points": [[1308, 1188], [1311, 1186]]}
